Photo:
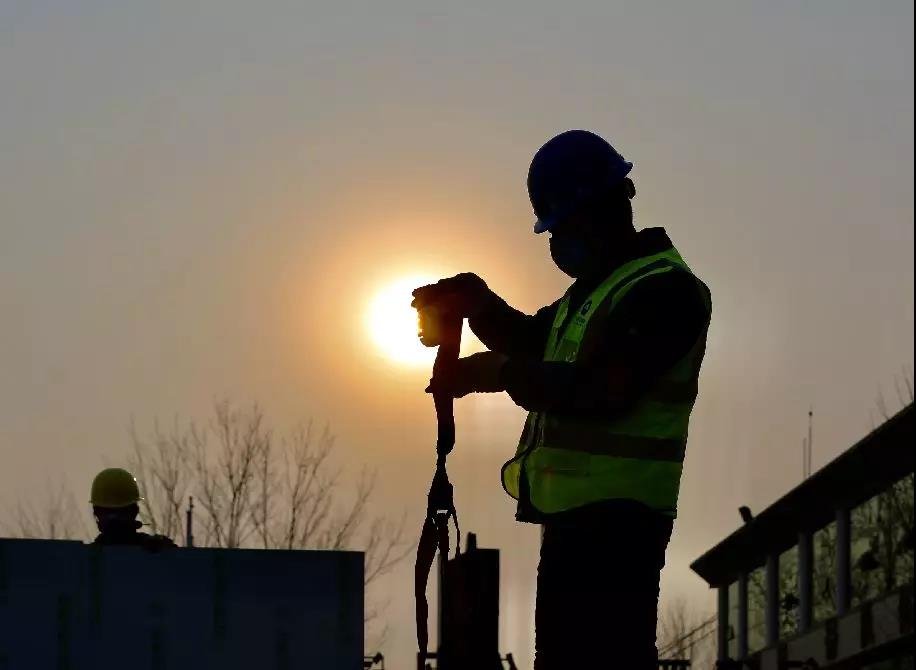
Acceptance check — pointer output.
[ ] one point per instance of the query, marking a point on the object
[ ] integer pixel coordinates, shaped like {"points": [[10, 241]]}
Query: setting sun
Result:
{"points": [[392, 323]]}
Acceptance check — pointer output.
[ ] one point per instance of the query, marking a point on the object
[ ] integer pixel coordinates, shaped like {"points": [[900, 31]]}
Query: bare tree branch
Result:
{"points": [[386, 545], [161, 468], [686, 635], [904, 385], [881, 405], [57, 517]]}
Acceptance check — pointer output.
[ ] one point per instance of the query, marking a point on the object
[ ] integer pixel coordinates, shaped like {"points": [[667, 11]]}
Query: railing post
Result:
{"points": [[189, 523], [722, 632], [442, 597], [843, 548], [805, 580], [772, 600], [741, 633]]}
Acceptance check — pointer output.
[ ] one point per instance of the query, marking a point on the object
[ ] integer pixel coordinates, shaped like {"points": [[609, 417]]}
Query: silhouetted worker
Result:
{"points": [[609, 375], [115, 497]]}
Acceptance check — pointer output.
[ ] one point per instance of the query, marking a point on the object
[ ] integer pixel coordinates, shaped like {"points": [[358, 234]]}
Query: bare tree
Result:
{"points": [[226, 475], [685, 634], [674, 625], [903, 385], [295, 485], [256, 490], [57, 517]]}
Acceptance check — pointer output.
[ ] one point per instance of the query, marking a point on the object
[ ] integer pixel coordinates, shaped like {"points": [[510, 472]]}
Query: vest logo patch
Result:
{"points": [[587, 306]]}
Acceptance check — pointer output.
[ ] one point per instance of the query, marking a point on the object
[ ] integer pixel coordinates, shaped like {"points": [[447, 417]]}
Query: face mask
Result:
{"points": [[571, 254]]}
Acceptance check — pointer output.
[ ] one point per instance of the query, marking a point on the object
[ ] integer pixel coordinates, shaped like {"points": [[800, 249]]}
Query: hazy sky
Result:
{"points": [[200, 200]]}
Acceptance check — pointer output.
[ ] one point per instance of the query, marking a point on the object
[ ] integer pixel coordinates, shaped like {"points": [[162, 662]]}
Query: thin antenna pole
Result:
{"points": [[810, 437], [804, 458], [189, 524]]}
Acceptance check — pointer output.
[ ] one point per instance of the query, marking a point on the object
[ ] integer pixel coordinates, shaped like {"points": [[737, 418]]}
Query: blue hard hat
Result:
{"points": [[567, 170]]}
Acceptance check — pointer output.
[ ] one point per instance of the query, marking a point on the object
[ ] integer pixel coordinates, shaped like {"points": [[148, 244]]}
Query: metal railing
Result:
{"points": [[507, 662], [376, 662], [691, 638]]}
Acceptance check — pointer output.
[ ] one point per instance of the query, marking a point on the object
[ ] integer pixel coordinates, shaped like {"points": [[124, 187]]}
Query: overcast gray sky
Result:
{"points": [[200, 200]]}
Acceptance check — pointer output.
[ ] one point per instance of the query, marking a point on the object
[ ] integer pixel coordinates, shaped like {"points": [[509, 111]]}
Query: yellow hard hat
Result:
{"points": [[115, 487]]}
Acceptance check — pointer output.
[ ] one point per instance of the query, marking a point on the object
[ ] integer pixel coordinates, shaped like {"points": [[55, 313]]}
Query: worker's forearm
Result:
{"points": [[506, 330]]}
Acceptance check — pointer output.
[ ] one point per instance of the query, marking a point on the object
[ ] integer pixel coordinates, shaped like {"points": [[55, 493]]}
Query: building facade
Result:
{"points": [[823, 578]]}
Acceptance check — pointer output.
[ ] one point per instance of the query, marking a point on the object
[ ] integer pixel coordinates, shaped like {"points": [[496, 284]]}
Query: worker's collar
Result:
{"points": [[646, 242], [120, 527]]}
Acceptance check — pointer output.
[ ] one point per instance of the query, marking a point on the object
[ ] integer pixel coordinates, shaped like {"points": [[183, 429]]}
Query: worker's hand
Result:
{"points": [[464, 295], [477, 373]]}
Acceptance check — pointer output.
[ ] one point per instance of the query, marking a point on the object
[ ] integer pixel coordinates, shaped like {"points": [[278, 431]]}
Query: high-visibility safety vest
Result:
{"points": [[564, 461]]}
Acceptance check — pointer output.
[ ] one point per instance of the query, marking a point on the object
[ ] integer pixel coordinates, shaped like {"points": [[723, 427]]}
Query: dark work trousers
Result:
{"points": [[597, 589]]}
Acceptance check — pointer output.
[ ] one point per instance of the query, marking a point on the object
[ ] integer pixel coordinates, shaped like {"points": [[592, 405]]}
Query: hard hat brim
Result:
{"points": [[543, 225], [108, 505]]}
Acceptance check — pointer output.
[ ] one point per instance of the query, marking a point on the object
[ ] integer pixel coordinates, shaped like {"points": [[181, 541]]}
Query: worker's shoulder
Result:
{"points": [[676, 291], [157, 542]]}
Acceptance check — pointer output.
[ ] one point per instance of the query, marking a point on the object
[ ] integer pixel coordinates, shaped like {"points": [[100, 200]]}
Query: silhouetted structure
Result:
{"points": [[469, 613], [69, 605], [823, 578], [469, 624]]}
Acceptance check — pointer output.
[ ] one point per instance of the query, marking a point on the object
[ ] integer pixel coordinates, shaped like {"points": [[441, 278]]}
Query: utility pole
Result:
{"points": [[189, 523]]}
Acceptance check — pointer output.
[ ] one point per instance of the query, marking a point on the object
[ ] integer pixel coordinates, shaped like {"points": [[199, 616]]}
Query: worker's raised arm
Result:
{"points": [[499, 326], [504, 329], [657, 324]]}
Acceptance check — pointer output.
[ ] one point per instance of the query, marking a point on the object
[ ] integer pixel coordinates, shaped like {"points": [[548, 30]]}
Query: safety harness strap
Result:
{"points": [[440, 505]]}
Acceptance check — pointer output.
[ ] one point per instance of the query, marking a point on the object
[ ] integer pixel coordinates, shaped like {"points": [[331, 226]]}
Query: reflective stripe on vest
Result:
{"points": [[571, 461]]}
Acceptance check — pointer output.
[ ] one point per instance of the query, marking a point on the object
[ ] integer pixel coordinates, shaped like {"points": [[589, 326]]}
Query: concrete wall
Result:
{"points": [[69, 606]]}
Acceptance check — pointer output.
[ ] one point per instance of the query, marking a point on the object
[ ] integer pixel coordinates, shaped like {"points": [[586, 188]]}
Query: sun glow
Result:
{"points": [[392, 323]]}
